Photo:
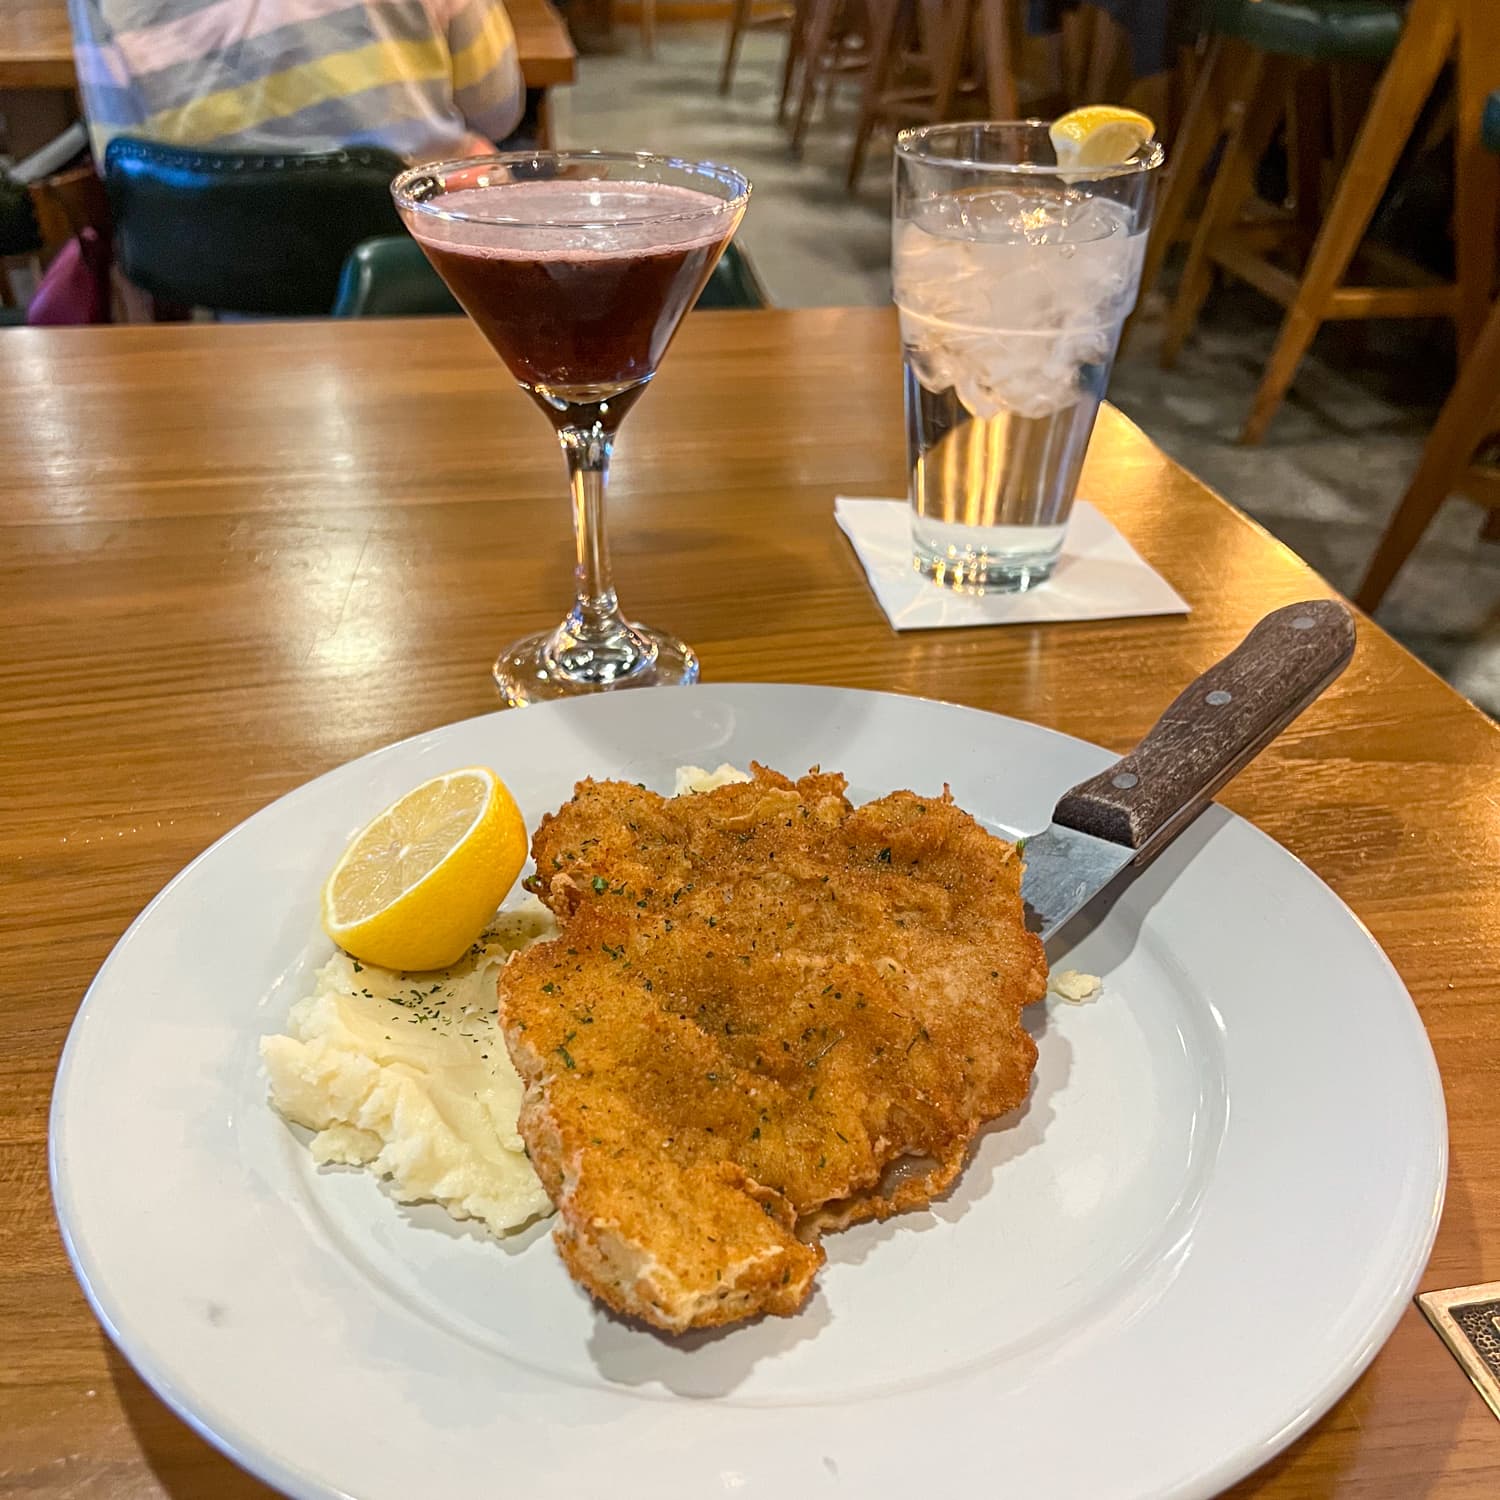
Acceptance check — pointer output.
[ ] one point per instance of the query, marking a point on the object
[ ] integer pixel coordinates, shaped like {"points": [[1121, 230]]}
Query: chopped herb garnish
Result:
{"points": [[884, 856], [600, 884], [566, 1056]]}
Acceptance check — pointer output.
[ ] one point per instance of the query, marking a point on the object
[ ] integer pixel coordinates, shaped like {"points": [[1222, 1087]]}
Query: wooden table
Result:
{"points": [[233, 557], [36, 44]]}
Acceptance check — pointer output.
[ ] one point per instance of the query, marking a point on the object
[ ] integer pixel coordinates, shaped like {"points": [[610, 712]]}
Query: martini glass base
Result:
{"points": [[533, 671]]}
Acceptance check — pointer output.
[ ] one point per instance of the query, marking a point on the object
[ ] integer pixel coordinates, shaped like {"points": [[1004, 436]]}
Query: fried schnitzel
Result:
{"points": [[768, 1014]]}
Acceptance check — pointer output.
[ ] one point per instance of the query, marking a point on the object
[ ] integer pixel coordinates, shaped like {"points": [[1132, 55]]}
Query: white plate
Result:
{"points": [[1191, 1240]]}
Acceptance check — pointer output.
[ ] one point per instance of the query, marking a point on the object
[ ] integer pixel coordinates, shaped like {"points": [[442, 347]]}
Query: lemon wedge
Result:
{"points": [[420, 883], [1099, 135]]}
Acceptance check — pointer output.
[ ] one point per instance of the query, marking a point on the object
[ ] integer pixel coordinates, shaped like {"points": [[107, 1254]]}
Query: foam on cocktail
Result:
{"points": [[575, 219]]}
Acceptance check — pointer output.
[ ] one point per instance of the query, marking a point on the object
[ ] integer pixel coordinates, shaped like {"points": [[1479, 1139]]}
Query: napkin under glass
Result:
{"points": [[1099, 575]]}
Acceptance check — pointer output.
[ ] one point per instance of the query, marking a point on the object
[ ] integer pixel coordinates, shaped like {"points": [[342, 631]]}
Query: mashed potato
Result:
{"points": [[407, 1074], [696, 779]]}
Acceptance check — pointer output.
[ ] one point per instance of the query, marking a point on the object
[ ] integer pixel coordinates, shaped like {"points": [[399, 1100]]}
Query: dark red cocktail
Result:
{"points": [[582, 322], [578, 267]]}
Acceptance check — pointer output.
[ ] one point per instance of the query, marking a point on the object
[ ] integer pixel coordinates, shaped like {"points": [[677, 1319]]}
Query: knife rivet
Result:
{"points": [[1125, 780], [1303, 622], [1218, 698]]}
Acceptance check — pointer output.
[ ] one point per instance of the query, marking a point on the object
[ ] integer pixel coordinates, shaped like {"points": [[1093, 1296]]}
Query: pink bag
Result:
{"points": [[75, 287]]}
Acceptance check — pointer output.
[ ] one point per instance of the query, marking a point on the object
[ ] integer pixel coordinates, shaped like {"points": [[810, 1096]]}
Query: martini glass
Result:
{"points": [[577, 266]]}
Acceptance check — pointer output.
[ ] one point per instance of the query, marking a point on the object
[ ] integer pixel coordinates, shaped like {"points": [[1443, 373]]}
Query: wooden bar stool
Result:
{"points": [[791, 63], [1279, 40], [1469, 416], [833, 43], [1217, 81], [743, 18], [928, 60]]}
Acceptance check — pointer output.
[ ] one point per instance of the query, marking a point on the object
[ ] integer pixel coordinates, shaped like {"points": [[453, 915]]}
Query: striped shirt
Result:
{"points": [[424, 78]]}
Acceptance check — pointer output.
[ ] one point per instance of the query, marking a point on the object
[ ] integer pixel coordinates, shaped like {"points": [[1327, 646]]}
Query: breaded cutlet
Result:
{"points": [[768, 1014]]}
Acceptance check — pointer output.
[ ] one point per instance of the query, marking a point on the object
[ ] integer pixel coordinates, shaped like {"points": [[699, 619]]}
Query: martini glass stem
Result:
{"points": [[596, 610], [595, 646]]}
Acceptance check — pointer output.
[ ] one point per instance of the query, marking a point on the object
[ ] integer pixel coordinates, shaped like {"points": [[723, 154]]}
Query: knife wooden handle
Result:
{"points": [[1214, 728]]}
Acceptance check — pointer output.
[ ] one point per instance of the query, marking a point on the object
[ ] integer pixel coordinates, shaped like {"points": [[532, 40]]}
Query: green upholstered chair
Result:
{"points": [[261, 233], [1316, 30], [734, 283], [390, 277]]}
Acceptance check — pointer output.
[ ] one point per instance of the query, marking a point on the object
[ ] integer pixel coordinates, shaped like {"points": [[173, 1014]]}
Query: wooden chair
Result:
{"points": [[743, 18], [791, 63], [1469, 416], [835, 42], [1261, 60], [1095, 56], [62, 203], [927, 60]]}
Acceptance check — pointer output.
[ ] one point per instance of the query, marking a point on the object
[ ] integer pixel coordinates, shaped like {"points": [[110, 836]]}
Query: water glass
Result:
{"points": [[1013, 277]]}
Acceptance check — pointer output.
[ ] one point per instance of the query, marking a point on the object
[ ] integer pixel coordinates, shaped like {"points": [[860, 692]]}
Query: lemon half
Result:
{"points": [[420, 883], [1099, 135]]}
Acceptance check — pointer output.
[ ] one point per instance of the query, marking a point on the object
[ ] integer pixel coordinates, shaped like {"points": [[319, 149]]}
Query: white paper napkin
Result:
{"points": [[1099, 576]]}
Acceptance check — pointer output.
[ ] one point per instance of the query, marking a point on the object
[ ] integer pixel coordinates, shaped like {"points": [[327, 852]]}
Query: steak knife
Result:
{"points": [[1216, 726]]}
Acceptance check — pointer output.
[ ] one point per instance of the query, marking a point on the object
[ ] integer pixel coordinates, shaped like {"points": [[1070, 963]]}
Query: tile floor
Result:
{"points": [[1337, 457]]}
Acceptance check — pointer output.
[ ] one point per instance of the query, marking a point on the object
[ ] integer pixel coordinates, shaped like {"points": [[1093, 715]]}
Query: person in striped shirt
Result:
{"points": [[424, 78]]}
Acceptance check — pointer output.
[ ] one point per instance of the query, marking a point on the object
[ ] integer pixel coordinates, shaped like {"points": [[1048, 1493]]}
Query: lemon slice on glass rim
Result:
{"points": [[421, 881], [1099, 135]]}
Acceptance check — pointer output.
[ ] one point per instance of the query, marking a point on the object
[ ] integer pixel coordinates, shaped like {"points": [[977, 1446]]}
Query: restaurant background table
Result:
{"points": [[36, 44], [232, 557]]}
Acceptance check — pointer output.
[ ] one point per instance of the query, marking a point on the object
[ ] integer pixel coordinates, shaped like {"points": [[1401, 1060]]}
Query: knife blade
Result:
{"points": [[1130, 811]]}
